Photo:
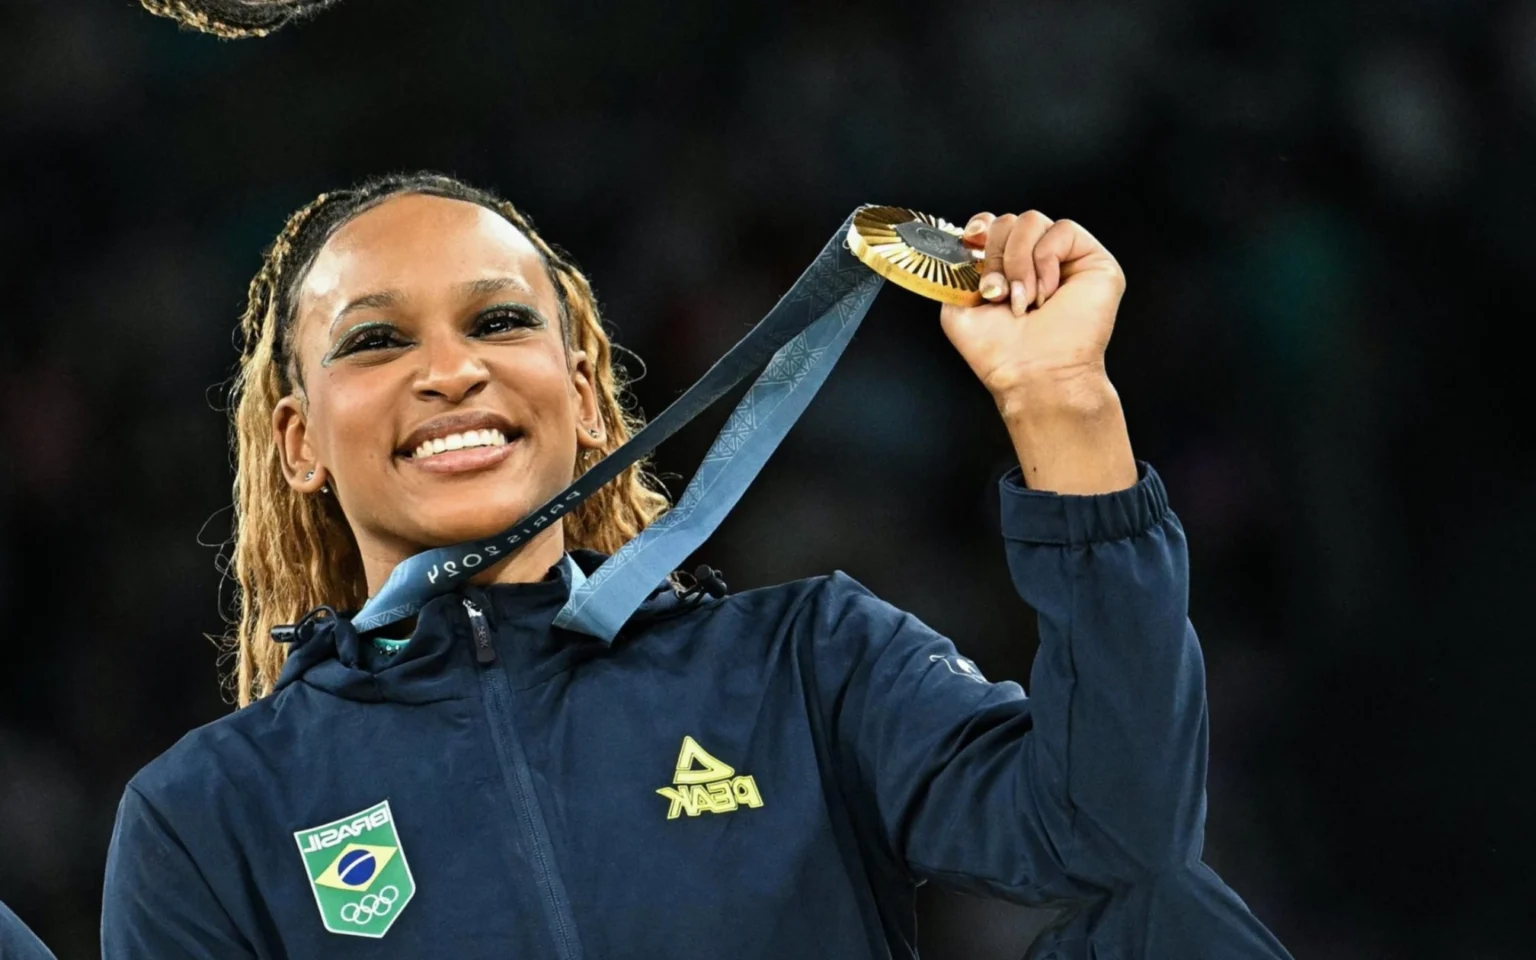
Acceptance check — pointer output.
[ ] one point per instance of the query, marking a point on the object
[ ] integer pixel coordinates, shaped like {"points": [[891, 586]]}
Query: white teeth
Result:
{"points": [[460, 441]]}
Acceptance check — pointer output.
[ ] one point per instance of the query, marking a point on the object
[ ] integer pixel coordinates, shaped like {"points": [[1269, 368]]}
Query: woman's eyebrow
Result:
{"points": [[375, 301], [489, 285]]}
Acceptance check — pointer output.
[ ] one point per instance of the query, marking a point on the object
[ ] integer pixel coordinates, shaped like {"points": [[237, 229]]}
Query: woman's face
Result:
{"points": [[438, 399]]}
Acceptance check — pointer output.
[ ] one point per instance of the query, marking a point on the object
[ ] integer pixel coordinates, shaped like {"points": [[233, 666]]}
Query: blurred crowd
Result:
{"points": [[1324, 210]]}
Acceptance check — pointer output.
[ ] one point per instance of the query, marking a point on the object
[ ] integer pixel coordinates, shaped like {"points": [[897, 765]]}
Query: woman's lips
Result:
{"points": [[466, 460]]}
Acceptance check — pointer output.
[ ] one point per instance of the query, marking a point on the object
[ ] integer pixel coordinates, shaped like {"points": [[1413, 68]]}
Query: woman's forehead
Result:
{"points": [[423, 245]]}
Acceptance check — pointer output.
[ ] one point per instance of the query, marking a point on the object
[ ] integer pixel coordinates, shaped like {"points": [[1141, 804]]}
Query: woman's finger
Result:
{"points": [[1019, 260], [1062, 245], [994, 285], [975, 233]]}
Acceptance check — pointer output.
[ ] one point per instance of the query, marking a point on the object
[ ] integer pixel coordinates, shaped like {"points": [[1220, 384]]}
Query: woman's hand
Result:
{"points": [[1038, 345], [1053, 293]]}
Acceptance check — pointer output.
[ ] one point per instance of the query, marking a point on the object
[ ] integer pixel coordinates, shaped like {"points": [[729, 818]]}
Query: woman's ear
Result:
{"points": [[591, 434], [290, 430]]}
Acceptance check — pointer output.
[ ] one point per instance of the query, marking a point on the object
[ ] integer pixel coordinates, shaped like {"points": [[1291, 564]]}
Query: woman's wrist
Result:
{"points": [[1069, 433]]}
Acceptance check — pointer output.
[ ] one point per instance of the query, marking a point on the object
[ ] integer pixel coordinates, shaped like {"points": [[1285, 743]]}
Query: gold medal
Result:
{"points": [[916, 251]]}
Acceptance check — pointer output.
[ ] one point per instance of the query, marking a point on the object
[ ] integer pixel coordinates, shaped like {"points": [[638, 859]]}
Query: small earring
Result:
{"points": [[591, 433], [309, 476]]}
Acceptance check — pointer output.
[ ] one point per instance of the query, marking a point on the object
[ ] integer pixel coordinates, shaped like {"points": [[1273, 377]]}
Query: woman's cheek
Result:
{"points": [[357, 412]]}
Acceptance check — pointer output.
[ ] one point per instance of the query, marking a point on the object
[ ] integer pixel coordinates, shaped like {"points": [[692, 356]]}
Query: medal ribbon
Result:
{"points": [[795, 345]]}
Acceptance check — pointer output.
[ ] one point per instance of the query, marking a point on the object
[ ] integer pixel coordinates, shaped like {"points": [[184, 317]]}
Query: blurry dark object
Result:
{"points": [[236, 19]]}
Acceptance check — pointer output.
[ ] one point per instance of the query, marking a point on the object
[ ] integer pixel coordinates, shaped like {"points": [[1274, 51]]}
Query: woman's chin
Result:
{"points": [[464, 522]]}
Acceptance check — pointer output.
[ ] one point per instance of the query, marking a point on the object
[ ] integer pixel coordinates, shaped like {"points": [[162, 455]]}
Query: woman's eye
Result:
{"points": [[368, 337], [373, 340], [506, 319]]}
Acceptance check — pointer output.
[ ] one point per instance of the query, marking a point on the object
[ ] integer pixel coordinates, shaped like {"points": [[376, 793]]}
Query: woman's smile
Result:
{"points": [[466, 459], [460, 443]]}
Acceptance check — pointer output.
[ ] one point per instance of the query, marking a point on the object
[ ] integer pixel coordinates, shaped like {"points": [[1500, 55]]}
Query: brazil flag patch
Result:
{"points": [[358, 871]]}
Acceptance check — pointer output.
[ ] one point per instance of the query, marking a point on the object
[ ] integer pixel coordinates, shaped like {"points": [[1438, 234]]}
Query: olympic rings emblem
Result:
{"points": [[373, 905]]}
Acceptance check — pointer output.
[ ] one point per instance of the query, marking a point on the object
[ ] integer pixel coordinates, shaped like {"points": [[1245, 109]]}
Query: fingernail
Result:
{"points": [[992, 287], [973, 228], [1020, 300]]}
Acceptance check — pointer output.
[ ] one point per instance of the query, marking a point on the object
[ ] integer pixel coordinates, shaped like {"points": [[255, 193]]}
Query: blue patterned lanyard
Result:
{"points": [[800, 340]]}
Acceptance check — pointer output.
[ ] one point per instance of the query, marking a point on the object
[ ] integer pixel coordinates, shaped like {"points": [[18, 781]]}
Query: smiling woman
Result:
{"points": [[499, 332], [767, 774]]}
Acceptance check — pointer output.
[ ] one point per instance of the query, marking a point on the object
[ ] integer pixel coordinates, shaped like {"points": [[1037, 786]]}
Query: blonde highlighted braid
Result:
{"points": [[291, 552], [236, 19]]}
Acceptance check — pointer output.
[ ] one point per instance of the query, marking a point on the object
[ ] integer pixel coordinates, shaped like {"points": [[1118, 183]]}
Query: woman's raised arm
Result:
{"points": [[1092, 790]]}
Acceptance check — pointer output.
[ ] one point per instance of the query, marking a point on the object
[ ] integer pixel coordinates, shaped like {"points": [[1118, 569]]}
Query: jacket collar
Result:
{"points": [[438, 663]]}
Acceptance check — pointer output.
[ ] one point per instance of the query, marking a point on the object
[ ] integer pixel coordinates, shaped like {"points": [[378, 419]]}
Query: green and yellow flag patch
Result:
{"points": [[358, 871]]}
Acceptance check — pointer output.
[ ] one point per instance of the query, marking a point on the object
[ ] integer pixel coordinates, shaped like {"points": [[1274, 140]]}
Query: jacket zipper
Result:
{"points": [[496, 696], [484, 652]]}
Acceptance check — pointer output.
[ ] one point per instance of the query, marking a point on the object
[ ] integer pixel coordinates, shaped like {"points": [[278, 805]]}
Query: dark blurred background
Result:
{"points": [[1324, 210]]}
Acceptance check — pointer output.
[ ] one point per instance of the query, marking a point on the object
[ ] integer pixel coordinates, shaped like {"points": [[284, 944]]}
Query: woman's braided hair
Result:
{"points": [[292, 552], [236, 19]]}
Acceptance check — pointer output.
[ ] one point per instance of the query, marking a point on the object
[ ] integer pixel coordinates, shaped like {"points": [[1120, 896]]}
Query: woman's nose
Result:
{"points": [[451, 369]]}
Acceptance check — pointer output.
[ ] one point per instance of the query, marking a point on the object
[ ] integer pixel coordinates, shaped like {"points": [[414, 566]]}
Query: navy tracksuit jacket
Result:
{"points": [[16, 941], [767, 775]]}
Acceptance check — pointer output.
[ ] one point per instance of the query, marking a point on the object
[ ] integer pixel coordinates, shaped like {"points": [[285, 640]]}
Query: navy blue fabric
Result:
{"points": [[16, 941], [881, 757]]}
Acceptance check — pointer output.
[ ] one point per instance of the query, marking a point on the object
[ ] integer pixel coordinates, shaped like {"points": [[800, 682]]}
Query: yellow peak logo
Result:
{"points": [[704, 784]]}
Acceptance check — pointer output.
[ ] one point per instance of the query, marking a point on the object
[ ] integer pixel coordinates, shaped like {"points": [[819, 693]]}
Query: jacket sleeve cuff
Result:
{"points": [[1034, 516]]}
